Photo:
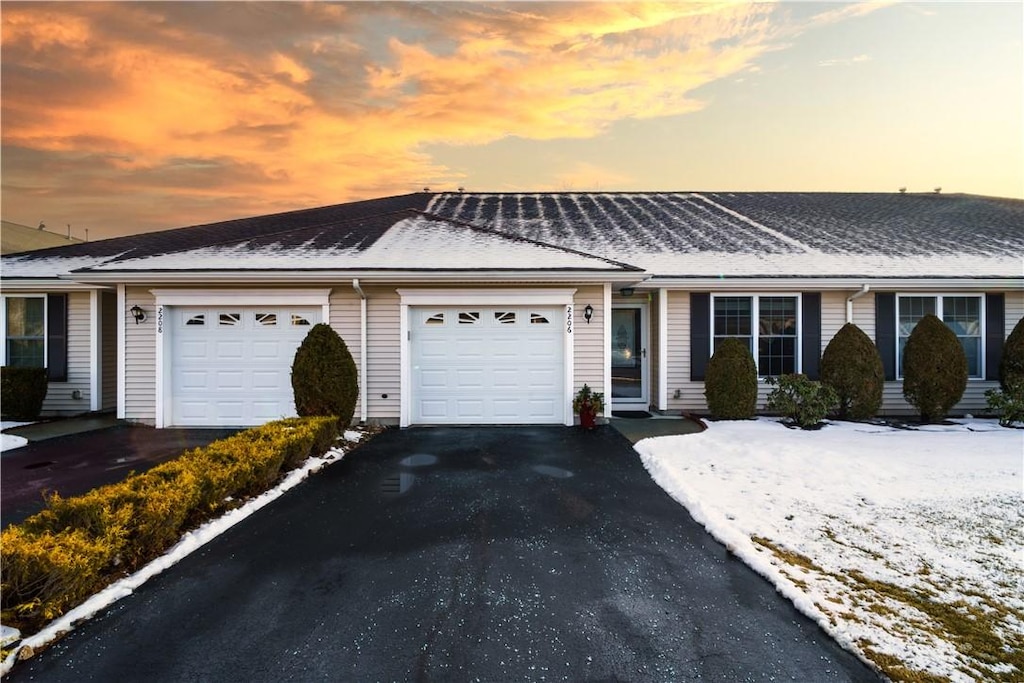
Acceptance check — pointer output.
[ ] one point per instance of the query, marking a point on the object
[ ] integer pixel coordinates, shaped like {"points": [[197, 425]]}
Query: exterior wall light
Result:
{"points": [[627, 291], [588, 313], [138, 314]]}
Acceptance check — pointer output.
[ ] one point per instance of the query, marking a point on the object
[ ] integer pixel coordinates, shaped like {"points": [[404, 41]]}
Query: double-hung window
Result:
{"points": [[767, 325], [961, 313], [24, 331]]}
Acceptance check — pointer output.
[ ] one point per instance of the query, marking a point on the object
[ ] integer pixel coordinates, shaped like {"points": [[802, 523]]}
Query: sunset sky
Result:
{"points": [[129, 117]]}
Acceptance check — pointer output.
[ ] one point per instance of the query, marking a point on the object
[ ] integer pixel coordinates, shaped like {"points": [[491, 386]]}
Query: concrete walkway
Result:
{"points": [[458, 554], [636, 429]]}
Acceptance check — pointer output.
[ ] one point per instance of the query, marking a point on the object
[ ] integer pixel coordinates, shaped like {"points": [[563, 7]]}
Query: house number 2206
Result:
{"points": [[568, 319], [159, 319]]}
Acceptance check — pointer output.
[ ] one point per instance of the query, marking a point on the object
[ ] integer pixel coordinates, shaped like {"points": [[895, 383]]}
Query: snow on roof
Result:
{"points": [[31, 266], [411, 241], [674, 234]]}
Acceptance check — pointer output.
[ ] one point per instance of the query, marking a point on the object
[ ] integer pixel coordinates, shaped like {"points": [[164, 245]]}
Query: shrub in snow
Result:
{"points": [[22, 391], [76, 546], [934, 369], [1011, 367], [324, 377], [801, 401], [852, 367], [730, 384], [1008, 405]]}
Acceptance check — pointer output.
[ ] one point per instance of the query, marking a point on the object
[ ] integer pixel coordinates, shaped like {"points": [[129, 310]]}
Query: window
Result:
{"points": [[538, 319], [230, 319], [774, 336], [196, 320], [299, 321], [469, 317], [505, 317], [436, 319], [962, 314], [266, 319], [25, 341]]}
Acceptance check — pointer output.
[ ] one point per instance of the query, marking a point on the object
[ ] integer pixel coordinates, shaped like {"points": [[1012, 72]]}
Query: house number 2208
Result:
{"points": [[568, 319]]}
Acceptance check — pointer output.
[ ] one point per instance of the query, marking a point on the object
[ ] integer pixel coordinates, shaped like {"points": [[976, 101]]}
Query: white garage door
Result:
{"points": [[483, 365], [232, 365]]}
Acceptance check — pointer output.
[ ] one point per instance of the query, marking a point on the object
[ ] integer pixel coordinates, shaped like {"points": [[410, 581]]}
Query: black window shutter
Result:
{"points": [[995, 322], [885, 331], [57, 337], [700, 334], [811, 334]]}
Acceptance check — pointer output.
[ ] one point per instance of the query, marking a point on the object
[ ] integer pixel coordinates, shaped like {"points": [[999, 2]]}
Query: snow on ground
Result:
{"points": [[8, 442], [189, 543], [905, 545]]}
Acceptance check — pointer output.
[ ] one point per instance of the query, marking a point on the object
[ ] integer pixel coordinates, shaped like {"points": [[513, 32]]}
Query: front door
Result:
{"points": [[629, 356]]}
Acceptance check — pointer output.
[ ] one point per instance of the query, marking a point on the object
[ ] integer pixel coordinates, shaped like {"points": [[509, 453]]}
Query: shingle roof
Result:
{"points": [[667, 234], [400, 241], [675, 234]]}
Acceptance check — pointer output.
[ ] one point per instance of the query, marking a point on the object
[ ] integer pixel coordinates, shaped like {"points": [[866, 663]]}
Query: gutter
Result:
{"points": [[363, 391], [864, 289]]}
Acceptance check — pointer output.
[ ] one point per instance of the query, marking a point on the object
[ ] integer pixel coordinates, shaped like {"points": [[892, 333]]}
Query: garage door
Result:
{"points": [[232, 365], [476, 365]]}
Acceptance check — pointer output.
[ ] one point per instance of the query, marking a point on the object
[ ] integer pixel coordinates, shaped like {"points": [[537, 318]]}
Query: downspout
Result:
{"points": [[363, 392], [849, 301]]}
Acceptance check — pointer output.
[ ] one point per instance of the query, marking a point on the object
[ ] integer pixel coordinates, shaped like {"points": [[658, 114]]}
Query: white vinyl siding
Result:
{"points": [[383, 362], [59, 399], [588, 340], [140, 357]]}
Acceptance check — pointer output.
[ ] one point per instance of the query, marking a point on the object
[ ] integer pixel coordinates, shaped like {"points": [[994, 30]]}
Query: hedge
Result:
{"points": [[76, 546]]}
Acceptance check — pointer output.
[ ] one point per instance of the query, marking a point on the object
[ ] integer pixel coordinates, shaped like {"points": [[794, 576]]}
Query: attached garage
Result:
{"points": [[232, 365], [477, 362]]}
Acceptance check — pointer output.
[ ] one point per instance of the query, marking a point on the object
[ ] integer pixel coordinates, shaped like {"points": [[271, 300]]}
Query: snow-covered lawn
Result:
{"points": [[906, 545]]}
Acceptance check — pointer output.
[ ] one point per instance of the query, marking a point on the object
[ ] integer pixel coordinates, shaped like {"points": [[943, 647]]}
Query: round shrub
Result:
{"points": [[22, 391], [934, 369], [730, 384], [1011, 368], [324, 377], [852, 366]]}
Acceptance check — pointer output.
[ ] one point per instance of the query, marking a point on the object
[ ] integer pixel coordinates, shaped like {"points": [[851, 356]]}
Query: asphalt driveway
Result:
{"points": [[76, 463], [459, 554]]}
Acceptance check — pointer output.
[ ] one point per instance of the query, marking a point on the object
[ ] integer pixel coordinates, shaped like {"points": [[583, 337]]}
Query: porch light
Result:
{"points": [[588, 313], [138, 314], [627, 291]]}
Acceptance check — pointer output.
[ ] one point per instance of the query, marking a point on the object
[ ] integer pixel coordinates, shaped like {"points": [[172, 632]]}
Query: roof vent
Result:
{"points": [[426, 189], [937, 190], [42, 225], [461, 190], [903, 190]]}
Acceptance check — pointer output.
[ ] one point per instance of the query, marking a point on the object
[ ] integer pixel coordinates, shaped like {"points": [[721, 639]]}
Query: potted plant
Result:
{"points": [[588, 404]]}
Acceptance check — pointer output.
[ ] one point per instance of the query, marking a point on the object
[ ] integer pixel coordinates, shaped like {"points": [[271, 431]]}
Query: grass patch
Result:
{"points": [[788, 556], [897, 670], [974, 631]]}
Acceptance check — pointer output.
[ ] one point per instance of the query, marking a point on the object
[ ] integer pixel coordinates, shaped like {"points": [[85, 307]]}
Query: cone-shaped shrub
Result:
{"points": [[1011, 368], [730, 384], [852, 366], [324, 377], [934, 369]]}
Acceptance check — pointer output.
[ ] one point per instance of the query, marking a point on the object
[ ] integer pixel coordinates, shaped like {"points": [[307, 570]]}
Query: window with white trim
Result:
{"points": [[962, 313], [774, 336], [25, 331]]}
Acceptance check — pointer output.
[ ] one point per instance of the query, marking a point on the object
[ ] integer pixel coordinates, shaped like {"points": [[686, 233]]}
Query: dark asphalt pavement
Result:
{"points": [[537, 553], [71, 465]]}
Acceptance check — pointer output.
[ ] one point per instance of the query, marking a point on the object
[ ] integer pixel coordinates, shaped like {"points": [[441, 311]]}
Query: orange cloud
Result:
{"points": [[130, 117]]}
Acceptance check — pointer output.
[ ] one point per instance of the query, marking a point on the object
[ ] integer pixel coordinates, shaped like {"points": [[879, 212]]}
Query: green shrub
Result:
{"points": [[934, 369], [801, 401], [1011, 367], [1008, 404], [77, 545], [324, 376], [730, 384], [22, 391], [852, 367]]}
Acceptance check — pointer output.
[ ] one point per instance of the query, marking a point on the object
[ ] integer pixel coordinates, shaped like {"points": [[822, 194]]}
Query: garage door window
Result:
{"points": [[299, 321], [505, 317], [230, 319], [196, 320], [436, 319], [469, 317], [538, 319], [266, 319]]}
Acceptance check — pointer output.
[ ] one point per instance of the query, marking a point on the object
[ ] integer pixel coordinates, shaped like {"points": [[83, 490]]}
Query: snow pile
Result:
{"points": [[189, 543], [8, 442], [856, 523]]}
